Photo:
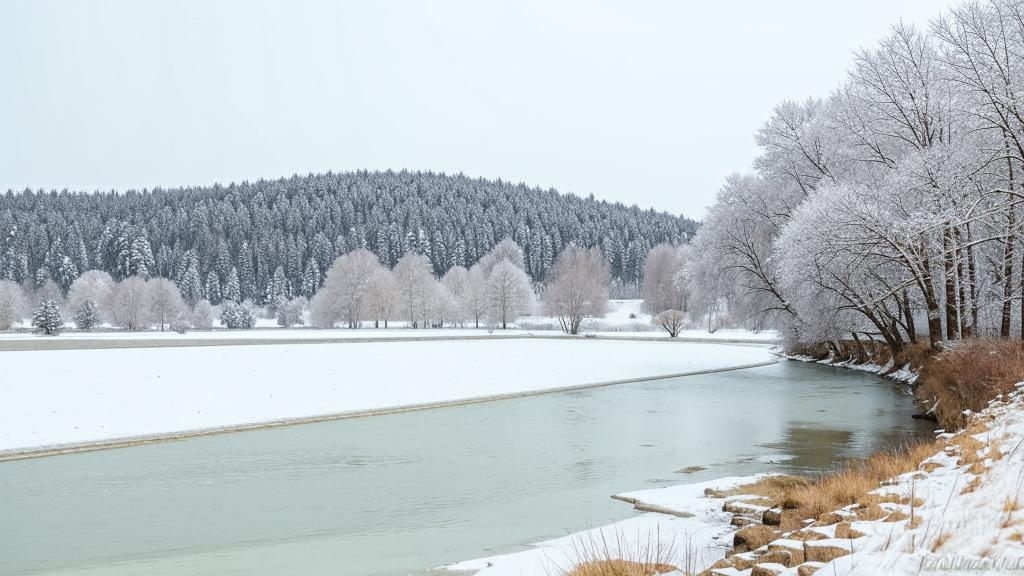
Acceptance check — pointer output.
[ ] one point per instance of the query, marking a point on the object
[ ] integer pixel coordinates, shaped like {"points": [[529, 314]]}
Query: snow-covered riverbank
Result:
{"points": [[57, 397]]}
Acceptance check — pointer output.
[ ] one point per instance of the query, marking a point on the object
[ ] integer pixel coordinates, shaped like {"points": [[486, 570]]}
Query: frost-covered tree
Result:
{"points": [[473, 301], [202, 315], [415, 284], [93, 286], [47, 317], [454, 286], [663, 286], [507, 249], [14, 305], [671, 321], [87, 315], [346, 291], [164, 301], [384, 299], [509, 294], [129, 308], [577, 287], [291, 313]]}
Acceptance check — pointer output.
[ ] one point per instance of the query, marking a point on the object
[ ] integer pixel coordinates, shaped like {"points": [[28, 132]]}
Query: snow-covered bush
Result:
{"points": [[87, 315], [290, 313], [47, 317], [237, 316], [181, 322], [671, 321], [202, 315]]}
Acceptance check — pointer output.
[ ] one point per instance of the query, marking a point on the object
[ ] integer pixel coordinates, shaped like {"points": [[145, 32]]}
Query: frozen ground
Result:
{"points": [[55, 397]]}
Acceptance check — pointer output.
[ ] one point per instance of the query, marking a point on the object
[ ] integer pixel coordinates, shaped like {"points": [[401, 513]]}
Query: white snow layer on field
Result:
{"points": [[692, 539], [69, 396]]}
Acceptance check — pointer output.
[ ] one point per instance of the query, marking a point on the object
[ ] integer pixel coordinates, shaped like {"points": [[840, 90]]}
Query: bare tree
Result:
{"points": [[672, 321], [508, 293], [578, 287]]}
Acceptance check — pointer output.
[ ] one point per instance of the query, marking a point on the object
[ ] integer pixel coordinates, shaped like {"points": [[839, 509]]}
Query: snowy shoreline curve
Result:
{"points": [[110, 413]]}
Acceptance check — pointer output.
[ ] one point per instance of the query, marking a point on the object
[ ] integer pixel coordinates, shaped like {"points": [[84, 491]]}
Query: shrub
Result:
{"points": [[968, 377]]}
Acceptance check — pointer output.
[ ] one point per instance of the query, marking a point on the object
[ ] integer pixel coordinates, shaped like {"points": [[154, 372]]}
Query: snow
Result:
{"points": [[696, 534], [968, 529], [53, 397]]}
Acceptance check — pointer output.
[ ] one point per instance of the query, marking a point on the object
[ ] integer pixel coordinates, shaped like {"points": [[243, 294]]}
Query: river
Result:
{"points": [[398, 494]]}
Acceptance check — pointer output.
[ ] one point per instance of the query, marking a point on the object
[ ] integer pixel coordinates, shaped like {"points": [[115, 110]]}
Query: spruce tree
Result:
{"points": [[47, 317]]}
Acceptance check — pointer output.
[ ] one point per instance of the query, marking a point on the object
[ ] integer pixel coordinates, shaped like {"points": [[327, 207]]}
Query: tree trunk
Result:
{"points": [[908, 316], [1007, 311], [949, 274]]}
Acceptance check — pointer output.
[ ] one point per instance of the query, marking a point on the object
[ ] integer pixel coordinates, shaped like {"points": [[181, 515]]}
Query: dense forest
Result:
{"points": [[292, 229]]}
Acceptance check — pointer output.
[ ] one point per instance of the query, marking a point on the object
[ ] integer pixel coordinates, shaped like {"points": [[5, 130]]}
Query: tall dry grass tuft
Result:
{"points": [[811, 498], [595, 554], [968, 377]]}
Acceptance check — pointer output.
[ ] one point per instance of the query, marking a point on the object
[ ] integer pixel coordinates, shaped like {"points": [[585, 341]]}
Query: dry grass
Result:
{"points": [[940, 540], [600, 553], [974, 484], [968, 377], [818, 498], [850, 485], [619, 568], [771, 489]]}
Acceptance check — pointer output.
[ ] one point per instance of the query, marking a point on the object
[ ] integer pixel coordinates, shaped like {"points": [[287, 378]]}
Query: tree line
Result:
{"points": [[255, 241], [889, 210], [358, 290]]}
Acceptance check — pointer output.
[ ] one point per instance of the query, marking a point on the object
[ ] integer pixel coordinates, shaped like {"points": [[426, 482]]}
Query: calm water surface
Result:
{"points": [[396, 495]]}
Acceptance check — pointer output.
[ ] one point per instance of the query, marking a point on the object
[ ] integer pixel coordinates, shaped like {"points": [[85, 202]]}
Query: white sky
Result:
{"points": [[644, 102]]}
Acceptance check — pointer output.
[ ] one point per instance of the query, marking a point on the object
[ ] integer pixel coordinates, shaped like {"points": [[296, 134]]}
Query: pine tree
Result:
{"points": [[190, 285], [232, 291], [66, 273], [47, 317], [310, 279], [212, 288], [237, 316]]}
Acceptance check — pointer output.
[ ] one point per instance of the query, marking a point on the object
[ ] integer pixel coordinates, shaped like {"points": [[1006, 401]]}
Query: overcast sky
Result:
{"points": [[652, 103]]}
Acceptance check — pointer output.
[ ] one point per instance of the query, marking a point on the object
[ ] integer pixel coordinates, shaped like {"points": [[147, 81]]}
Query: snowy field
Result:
{"points": [[58, 397], [624, 319]]}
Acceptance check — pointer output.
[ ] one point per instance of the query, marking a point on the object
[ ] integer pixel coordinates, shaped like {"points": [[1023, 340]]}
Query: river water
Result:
{"points": [[398, 494]]}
